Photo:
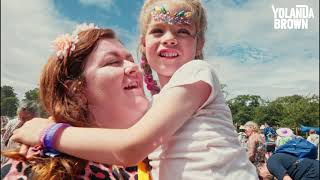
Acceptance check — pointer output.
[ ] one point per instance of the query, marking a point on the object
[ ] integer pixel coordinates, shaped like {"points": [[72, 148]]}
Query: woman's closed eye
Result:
{"points": [[114, 63]]}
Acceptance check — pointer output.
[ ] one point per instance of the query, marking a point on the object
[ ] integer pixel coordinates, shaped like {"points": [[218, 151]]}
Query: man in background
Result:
{"points": [[314, 139], [26, 111]]}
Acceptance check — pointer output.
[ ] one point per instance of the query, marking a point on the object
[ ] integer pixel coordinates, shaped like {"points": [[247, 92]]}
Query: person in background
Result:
{"points": [[313, 137], [4, 121], [3, 130], [261, 132], [256, 149], [270, 140], [26, 111], [242, 137], [284, 135], [288, 167]]}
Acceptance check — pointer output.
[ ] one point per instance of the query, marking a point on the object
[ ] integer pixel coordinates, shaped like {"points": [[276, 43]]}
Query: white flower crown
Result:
{"points": [[66, 43]]}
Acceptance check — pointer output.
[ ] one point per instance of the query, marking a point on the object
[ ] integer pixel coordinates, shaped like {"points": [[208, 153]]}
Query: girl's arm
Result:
{"points": [[129, 146]]}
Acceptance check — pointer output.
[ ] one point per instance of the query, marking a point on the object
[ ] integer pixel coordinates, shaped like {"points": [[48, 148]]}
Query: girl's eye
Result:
{"points": [[184, 32], [156, 31]]}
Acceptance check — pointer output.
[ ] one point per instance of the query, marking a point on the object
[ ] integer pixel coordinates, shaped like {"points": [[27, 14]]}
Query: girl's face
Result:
{"points": [[169, 46], [114, 85]]}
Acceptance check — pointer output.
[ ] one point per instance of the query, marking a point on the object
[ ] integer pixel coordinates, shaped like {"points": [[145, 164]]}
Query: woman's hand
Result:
{"points": [[29, 133], [287, 177]]}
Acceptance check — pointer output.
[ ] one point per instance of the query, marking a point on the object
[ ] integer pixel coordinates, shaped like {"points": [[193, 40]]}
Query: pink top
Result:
{"points": [[14, 169]]}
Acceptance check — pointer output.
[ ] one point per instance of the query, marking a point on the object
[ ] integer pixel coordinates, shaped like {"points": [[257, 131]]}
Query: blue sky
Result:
{"points": [[248, 54]]}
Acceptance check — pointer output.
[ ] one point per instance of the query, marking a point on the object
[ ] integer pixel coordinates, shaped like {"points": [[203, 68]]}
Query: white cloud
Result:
{"points": [[253, 22], [27, 29], [268, 80], [294, 64]]}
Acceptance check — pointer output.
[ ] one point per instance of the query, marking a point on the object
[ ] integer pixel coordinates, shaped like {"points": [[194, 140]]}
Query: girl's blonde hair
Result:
{"points": [[198, 16]]}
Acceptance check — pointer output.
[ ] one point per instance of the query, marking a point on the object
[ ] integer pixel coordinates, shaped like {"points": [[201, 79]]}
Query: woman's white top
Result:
{"points": [[206, 147]]}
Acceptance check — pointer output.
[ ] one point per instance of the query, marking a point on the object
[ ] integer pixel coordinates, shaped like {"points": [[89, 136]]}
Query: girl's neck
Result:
{"points": [[163, 80]]}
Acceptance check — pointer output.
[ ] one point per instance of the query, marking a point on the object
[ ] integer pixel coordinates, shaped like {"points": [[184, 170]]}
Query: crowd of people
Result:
{"points": [[26, 110], [263, 147], [259, 143], [102, 126]]}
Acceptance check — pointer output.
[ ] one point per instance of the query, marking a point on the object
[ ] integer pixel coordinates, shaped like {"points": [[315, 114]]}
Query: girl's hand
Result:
{"points": [[30, 131]]}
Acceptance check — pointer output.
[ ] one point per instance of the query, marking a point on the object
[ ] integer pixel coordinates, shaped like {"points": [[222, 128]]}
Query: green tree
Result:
{"points": [[269, 113], [299, 110], [244, 107], [33, 95], [7, 91], [9, 101], [313, 111]]}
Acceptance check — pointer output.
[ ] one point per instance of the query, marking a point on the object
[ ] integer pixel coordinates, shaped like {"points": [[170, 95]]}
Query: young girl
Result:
{"points": [[188, 131]]}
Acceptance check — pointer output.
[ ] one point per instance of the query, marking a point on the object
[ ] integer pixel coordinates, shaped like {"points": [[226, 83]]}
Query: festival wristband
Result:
{"points": [[51, 134], [43, 133]]}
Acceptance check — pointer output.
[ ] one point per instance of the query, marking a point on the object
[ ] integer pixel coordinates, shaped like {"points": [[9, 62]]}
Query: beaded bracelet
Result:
{"points": [[49, 135]]}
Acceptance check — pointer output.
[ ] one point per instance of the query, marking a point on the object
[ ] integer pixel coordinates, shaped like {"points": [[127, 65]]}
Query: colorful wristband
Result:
{"points": [[43, 133], [51, 134]]}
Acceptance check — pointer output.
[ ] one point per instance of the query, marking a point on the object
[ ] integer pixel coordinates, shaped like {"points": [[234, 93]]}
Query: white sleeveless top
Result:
{"points": [[206, 147]]}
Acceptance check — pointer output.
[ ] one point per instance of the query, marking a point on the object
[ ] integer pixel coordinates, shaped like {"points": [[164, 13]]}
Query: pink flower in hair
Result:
{"points": [[67, 43], [83, 27], [62, 44]]}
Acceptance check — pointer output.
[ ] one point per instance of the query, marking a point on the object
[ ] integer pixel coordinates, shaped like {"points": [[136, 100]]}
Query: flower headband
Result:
{"points": [[65, 44], [164, 15]]}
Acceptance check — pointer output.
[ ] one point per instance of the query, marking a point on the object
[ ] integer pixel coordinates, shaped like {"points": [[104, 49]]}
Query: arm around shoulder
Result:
{"points": [[168, 113], [129, 146]]}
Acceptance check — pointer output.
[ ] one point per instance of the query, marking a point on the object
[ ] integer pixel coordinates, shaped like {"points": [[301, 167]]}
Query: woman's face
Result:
{"points": [[114, 86], [248, 130]]}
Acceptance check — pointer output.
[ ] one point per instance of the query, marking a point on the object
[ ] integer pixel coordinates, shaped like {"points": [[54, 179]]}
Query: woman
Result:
{"points": [[284, 135], [255, 144], [91, 76], [288, 167]]}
